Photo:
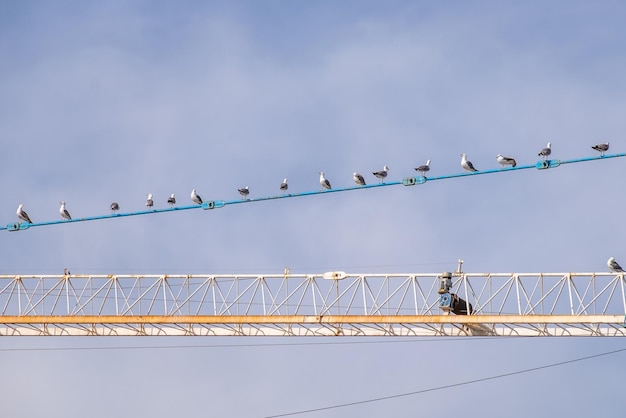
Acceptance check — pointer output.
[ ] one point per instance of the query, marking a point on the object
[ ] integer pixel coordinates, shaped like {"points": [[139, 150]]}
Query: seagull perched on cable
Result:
{"points": [[602, 148], [545, 151], [21, 213], [504, 161], [423, 168], [64, 212], [324, 181], [467, 165], [149, 201], [244, 192], [614, 266], [284, 186], [196, 197], [115, 207], [171, 200], [381, 174], [358, 179]]}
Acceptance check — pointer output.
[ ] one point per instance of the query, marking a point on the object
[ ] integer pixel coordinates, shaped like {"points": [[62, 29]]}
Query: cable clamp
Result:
{"points": [[18, 226], [545, 164], [213, 204], [412, 181]]}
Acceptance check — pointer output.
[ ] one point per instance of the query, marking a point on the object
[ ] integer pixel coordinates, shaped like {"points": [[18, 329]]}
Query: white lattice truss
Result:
{"points": [[504, 304]]}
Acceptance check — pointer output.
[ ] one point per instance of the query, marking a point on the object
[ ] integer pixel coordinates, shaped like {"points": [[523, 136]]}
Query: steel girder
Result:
{"points": [[333, 303]]}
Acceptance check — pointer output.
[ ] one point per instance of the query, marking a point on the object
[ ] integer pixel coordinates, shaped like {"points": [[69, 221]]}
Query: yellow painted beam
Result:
{"points": [[312, 319]]}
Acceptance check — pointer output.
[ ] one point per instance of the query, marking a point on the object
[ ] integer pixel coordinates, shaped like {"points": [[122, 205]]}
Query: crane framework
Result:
{"points": [[328, 304]]}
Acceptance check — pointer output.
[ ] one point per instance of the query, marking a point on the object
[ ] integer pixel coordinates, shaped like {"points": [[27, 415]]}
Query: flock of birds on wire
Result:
{"points": [[358, 179], [324, 182]]}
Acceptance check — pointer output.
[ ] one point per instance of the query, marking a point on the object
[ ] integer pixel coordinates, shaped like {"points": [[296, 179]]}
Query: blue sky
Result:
{"points": [[109, 101]]}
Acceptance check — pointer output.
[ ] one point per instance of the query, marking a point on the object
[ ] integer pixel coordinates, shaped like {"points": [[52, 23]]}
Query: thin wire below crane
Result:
{"points": [[452, 385]]}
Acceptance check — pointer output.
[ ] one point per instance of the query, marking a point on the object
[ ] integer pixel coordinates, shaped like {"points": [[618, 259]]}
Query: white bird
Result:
{"points": [[284, 186], [614, 266], [196, 197], [324, 182], [467, 165], [424, 168], [171, 200], [115, 207], [21, 213], [381, 174], [358, 179], [545, 151], [64, 212], [504, 161], [244, 192], [602, 148], [149, 201]]}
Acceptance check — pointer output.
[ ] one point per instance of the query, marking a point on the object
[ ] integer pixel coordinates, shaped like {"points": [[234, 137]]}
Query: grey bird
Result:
{"points": [[466, 164], [284, 186], [601, 148], [171, 200], [423, 169], [195, 197], [504, 161], [149, 201], [244, 192], [614, 266], [546, 151], [358, 179], [21, 213], [115, 207], [64, 212], [381, 174]]}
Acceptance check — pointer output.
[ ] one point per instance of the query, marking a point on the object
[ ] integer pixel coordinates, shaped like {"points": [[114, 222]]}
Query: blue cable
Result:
{"points": [[407, 181]]}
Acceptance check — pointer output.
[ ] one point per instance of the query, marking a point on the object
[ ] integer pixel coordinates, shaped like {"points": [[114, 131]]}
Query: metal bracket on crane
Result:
{"points": [[334, 275]]}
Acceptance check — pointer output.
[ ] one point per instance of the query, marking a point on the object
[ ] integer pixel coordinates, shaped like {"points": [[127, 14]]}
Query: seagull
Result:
{"points": [[424, 168], [196, 197], [171, 200], [21, 213], [381, 174], [115, 207], [602, 148], [244, 192], [358, 179], [64, 212], [504, 161], [324, 181], [149, 201], [614, 266], [467, 165], [546, 151], [284, 186]]}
